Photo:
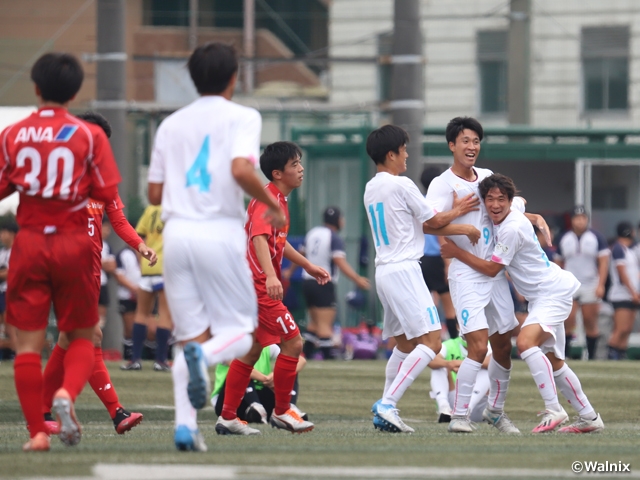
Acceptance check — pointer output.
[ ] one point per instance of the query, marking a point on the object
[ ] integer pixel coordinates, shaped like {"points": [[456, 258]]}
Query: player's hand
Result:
{"points": [[469, 203], [274, 288], [148, 253], [276, 218], [448, 249], [268, 381], [635, 298], [109, 264], [473, 235], [363, 283], [454, 365], [544, 228], [319, 273], [600, 291]]}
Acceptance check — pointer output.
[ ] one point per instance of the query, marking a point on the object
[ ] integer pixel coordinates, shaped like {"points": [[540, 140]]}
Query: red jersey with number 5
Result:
{"points": [[55, 160], [276, 238]]}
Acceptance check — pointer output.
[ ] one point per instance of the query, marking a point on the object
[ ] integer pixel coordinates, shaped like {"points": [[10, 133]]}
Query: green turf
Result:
{"points": [[338, 398]]}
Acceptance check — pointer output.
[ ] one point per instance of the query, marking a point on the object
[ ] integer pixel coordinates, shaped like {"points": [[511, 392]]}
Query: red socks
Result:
{"points": [[78, 366], [100, 381], [53, 377], [27, 369], [237, 381], [284, 376]]}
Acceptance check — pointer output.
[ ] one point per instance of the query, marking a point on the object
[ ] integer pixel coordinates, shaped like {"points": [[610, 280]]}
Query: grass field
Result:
{"points": [[338, 397]]}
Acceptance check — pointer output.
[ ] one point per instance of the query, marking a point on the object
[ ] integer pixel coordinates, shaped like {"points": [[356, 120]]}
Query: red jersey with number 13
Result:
{"points": [[55, 160], [276, 238]]}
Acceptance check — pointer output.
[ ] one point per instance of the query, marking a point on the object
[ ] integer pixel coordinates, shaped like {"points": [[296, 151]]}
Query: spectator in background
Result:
{"points": [[108, 266], [623, 293], [7, 235], [128, 276], [434, 267], [325, 248], [585, 253]]}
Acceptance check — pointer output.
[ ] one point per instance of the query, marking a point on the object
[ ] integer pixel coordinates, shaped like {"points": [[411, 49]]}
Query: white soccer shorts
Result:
{"points": [[586, 294], [207, 278], [407, 303], [483, 305], [151, 283]]}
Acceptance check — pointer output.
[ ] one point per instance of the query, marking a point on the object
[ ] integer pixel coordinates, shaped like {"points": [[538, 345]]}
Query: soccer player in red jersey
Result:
{"points": [[56, 161], [280, 162], [100, 380]]}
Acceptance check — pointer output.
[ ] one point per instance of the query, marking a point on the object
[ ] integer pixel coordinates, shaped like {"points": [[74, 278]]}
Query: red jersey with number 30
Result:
{"points": [[276, 238], [55, 160]]}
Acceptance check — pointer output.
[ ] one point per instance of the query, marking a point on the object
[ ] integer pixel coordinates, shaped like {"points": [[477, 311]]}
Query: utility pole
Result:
{"points": [[193, 25], [519, 65], [249, 44], [407, 80]]}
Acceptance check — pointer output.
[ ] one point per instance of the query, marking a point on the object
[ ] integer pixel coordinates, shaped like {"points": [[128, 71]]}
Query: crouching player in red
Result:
{"points": [[55, 161], [100, 381], [280, 163]]}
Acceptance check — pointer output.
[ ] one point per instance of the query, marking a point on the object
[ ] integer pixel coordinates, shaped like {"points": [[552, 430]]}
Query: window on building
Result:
{"points": [[492, 66], [605, 64], [385, 48]]}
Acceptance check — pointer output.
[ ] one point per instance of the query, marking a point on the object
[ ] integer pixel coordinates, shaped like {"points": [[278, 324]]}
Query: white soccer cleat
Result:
{"points": [[500, 420], [551, 420], [291, 421], [584, 426], [300, 413], [70, 430], [461, 425], [234, 427], [389, 414]]}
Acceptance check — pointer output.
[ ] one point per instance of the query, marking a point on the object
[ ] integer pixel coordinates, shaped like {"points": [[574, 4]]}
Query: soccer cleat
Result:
{"points": [[161, 367], [52, 427], [444, 418], [186, 439], [300, 413], [500, 420], [582, 425], [383, 426], [199, 383], [125, 421], [551, 420], [234, 427], [131, 366], [40, 443], [461, 425], [70, 430], [374, 407], [291, 421], [255, 413], [389, 414]]}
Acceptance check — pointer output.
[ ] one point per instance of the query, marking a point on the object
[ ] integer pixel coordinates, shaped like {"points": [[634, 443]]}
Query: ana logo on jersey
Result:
{"points": [[502, 247], [39, 135]]}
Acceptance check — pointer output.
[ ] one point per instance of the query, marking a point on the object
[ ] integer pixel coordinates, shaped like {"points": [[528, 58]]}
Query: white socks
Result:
{"points": [[465, 381], [440, 389], [479, 390], [226, 346], [393, 367], [542, 374], [499, 378], [185, 413], [568, 383], [412, 366]]}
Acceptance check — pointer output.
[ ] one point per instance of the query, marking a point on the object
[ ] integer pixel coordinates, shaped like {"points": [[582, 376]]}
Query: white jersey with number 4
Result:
{"points": [[192, 155], [533, 275], [396, 210]]}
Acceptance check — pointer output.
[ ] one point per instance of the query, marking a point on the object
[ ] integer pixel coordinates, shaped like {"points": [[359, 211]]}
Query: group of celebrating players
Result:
{"points": [[222, 265]]}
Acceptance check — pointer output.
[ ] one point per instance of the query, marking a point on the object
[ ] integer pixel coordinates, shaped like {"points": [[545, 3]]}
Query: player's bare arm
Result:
{"points": [[154, 193], [603, 271], [350, 273], [244, 173], [273, 284], [126, 232], [451, 250], [461, 206], [541, 224], [624, 280], [469, 231], [319, 273]]}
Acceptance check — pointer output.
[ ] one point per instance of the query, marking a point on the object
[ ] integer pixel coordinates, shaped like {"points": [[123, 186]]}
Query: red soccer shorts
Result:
{"points": [[58, 268], [275, 323]]}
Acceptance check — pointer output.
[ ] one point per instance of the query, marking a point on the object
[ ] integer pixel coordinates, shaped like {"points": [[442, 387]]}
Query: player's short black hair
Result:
{"points": [[459, 124], [97, 119], [211, 67], [383, 140], [9, 226], [331, 216], [58, 76], [499, 181], [624, 230], [428, 174], [276, 156]]}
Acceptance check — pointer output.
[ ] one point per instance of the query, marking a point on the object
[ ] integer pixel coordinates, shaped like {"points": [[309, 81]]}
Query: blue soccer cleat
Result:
{"points": [[186, 439], [389, 415], [199, 383]]}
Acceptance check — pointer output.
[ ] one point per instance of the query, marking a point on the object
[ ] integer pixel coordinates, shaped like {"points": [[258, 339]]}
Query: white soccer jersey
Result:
{"points": [[621, 255], [440, 198], [5, 253], [533, 275], [128, 266], [192, 155], [580, 254], [396, 210], [105, 254], [321, 246]]}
